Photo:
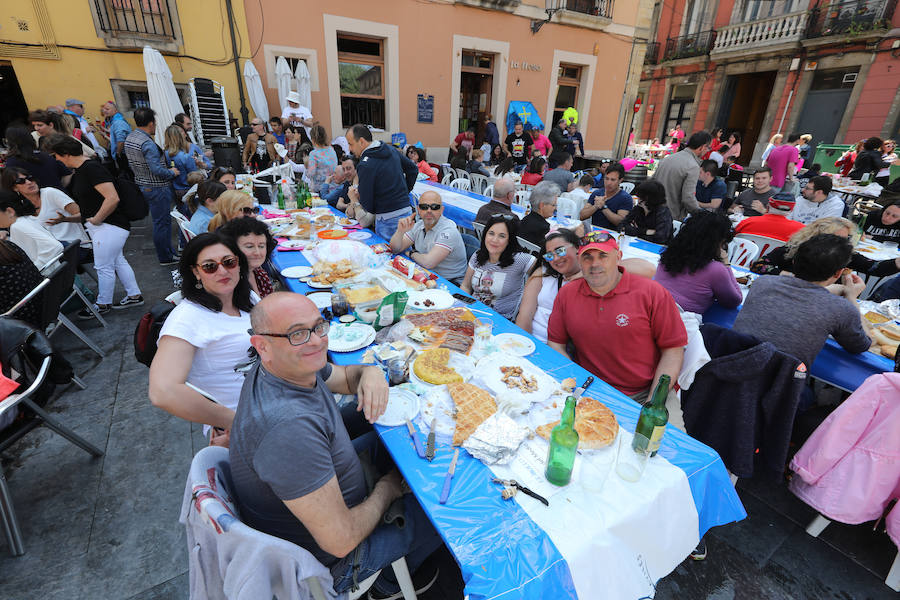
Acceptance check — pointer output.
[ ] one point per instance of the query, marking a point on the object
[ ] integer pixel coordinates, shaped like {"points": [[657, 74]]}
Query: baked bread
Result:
{"points": [[473, 407], [431, 366], [595, 423], [874, 317], [891, 331]]}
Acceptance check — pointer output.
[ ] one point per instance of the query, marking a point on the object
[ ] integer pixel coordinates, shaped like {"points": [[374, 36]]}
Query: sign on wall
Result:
{"points": [[425, 108]]}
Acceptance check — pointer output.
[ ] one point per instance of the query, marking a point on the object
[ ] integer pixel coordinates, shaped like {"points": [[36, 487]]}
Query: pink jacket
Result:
{"points": [[849, 469]]}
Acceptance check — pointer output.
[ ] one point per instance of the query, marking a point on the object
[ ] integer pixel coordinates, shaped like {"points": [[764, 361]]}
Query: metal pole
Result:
{"points": [[245, 114], [784, 114]]}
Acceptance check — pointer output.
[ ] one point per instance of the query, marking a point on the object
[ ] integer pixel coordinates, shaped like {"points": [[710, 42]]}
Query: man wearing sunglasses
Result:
{"points": [[435, 241], [297, 475], [626, 329]]}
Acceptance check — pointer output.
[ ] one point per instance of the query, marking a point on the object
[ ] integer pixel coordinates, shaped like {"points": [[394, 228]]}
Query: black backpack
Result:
{"points": [[146, 334], [131, 201]]}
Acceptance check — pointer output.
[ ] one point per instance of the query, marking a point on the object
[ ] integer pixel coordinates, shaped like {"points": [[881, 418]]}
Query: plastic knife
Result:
{"points": [[584, 386], [415, 438], [445, 493], [429, 443]]}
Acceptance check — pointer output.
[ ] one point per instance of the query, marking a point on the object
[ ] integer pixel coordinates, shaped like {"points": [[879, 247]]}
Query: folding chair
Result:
{"points": [[460, 184], [31, 348], [62, 279], [742, 252]]}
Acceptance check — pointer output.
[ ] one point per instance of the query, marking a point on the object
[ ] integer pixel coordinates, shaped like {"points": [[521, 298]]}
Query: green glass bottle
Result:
{"points": [[279, 197], [654, 416], [563, 444]]}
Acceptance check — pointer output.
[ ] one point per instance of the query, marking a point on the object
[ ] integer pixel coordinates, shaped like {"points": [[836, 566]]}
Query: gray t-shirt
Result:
{"points": [[501, 288], [747, 197], [798, 316], [560, 177], [444, 233], [287, 442]]}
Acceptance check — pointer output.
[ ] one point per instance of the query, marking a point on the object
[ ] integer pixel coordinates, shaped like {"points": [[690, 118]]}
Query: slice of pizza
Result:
{"points": [[595, 423], [473, 407]]}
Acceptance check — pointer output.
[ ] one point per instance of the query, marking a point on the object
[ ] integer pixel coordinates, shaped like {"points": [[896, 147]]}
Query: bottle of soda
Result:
{"points": [[563, 444], [654, 416]]}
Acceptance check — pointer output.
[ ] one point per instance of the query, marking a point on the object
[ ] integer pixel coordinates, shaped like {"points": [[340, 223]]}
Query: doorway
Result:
{"points": [[745, 99], [475, 85], [825, 104], [12, 102]]}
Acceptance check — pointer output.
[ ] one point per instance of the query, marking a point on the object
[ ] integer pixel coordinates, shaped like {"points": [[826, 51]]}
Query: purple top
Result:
{"points": [[696, 292]]}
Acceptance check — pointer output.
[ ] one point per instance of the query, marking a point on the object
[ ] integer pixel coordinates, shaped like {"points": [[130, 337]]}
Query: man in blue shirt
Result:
{"points": [[609, 206], [710, 188], [200, 157], [118, 130]]}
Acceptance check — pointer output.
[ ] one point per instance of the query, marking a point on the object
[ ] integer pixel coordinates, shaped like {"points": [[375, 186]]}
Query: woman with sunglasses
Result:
{"points": [[650, 219], [559, 265], [496, 272], [232, 204], [254, 240], [26, 232], [54, 210], [205, 335]]}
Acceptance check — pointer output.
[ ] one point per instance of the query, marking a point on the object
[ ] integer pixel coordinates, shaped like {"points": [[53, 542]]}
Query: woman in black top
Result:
{"points": [[650, 219], [23, 153], [18, 276], [869, 160]]}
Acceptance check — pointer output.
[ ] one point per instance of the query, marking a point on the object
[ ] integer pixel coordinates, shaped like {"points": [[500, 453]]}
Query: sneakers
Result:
{"points": [[85, 313], [129, 301], [423, 579], [699, 552]]}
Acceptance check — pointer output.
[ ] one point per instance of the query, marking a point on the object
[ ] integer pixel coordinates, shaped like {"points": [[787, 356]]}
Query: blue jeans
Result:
{"points": [[416, 540], [160, 200], [385, 228]]}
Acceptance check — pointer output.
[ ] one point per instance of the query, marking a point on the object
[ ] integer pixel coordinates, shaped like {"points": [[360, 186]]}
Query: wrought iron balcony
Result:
{"points": [[762, 33], [850, 18], [136, 17], [652, 56], [696, 44], [598, 8]]}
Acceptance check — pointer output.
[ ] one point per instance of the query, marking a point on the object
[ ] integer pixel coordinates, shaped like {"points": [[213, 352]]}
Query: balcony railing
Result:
{"points": [[762, 33], [696, 44], [598, 8], [652, 56], [137, 17], [850, 18]]}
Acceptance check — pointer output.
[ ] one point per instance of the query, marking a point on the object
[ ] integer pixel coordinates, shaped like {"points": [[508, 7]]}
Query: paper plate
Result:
{"points": [[402, 405], [320, 299], [349, 338], [463, 364], [332, 234], [319, 286], [488, 371], [347, 221], [362, 234], [439, 300], [292, 245], [513, 343], [296, 272]]}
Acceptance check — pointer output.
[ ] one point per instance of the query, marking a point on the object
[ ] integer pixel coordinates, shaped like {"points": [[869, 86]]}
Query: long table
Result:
{"points": [[512, 549], [460, 206]]}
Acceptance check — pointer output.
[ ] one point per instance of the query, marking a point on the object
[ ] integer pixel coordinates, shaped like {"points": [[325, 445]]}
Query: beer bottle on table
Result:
{"points": [[279, 197], [654, 416], [563, 444]]}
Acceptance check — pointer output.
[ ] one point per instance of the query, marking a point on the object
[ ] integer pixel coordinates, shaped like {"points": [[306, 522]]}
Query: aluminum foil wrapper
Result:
{"points": [[496, 440]]}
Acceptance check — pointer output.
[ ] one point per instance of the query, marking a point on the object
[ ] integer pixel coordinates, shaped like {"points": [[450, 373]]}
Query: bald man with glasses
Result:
{"points": [[436, 243]]}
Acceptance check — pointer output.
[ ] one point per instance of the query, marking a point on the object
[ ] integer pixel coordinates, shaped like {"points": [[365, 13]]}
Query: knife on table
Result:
{"points": [[415, 438], [429, 443], [445, 493], [584, 386]]}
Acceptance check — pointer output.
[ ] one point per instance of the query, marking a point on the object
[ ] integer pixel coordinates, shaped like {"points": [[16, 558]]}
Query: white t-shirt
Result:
{"points": [[52, 202], [295, 115], [221, 341], [38, 244]]}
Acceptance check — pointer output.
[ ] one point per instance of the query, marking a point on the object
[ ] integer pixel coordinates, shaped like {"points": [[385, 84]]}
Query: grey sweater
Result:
{"points": [[798, 316], [678, 173]]}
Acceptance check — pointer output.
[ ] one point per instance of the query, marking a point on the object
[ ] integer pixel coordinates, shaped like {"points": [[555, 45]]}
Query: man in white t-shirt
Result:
{"points": [[437, 244], [297, 115]]}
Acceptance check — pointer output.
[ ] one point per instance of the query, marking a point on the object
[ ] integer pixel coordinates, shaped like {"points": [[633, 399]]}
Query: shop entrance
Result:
{"points": [[12, 102], [475, 84], [744, 102], [826, 103]]}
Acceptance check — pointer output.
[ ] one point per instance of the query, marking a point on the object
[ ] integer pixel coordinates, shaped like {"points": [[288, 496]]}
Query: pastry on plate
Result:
{"points": [[473, 407], [595, 423], [431, 366]]}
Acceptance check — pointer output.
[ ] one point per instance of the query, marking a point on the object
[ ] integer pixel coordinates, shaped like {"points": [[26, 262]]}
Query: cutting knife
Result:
{"points": [[429, 444], [445, 493], [415, 438], [584, 386]]}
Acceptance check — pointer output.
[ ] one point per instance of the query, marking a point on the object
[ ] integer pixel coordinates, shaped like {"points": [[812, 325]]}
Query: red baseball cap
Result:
{"points": [[598, 240], [785, 204]]}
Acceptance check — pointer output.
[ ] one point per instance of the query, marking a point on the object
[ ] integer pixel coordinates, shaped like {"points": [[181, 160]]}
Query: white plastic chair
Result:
{"points": [[522, 199], [742, 252], [676, 226], [479, 229], [461, 174], [183, 225], [479, 182], [627, 186], [447, 178], [528, 245], [566, 207], [460, 184], [765, 244], [488, 192]]}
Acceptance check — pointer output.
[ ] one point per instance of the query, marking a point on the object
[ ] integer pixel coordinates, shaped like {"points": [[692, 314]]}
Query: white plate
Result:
{"points": [[437, 404], [359, 235], [350, 222], [441, 299], [488, 370], [463, 364], [319, 286], [349, 338], [402, 405], [296, 272], [514, 343], [320, 299], [293, 244]]}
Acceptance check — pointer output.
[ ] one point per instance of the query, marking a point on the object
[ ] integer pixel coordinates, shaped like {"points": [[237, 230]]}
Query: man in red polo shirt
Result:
{"points": [[626, 329], [775, 223]]}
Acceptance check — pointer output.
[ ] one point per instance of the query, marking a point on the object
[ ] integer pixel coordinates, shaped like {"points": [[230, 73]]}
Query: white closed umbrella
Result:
{"points": [[283, 78], [164, 98], [255, 90], [304, 88]]}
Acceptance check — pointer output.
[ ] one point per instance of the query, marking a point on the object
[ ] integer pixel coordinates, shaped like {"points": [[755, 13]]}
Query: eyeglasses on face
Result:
{"points": [[431, 206], [211, 266], [595, 237], [558, 253], [299, 337], [250, 210], [24, 178]]}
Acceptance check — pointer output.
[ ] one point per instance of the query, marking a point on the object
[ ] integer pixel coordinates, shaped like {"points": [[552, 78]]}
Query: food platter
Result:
{"points": [[433, 299], [515, 344], [350, 337], [296, 271], [402, 405]]}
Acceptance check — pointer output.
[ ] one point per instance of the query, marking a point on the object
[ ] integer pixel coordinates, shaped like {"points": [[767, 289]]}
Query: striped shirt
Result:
{"points": [[147, 160]]}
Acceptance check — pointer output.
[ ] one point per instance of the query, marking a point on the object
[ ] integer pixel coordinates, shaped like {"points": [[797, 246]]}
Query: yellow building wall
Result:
{"points": [[85, 72]]}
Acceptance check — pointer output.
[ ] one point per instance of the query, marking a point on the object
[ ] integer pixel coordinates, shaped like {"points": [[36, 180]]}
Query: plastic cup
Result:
{"points": [[630, 463], [483, 329]]}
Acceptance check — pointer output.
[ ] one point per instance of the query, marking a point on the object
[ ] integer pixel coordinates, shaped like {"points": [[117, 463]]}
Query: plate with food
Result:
{"points": [[332, 234], [402, 405], [363, 294], [439, 366], [325, 221], [329, 273], [515, 378], [595, 423], [433, 299], [296, 272], [347, 221], [887, 337], [320, 299], [350, 337], [515, 344]]}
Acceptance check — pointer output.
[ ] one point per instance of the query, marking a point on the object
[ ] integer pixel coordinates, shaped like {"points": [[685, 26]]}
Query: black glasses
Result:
{"points": [[24, 178], [250, 210], [595, 237], [211, 266], [558, 253], [299, 337], [431, 206]]}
